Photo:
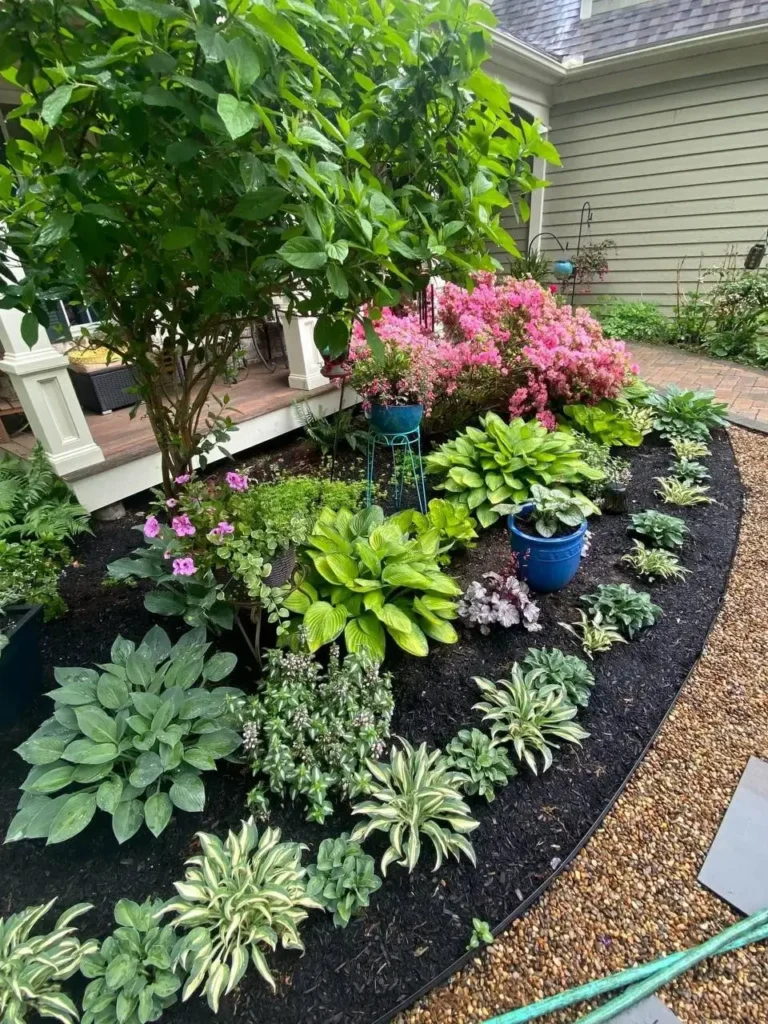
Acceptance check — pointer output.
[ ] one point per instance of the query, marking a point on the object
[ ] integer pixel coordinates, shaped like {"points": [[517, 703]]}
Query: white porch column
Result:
{"points": [[304, 361], [536, 221], [41, 380]]}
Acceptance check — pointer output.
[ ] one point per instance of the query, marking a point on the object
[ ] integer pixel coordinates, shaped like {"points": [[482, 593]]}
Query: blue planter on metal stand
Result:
{"points": [[546, 563], [397, 427]]}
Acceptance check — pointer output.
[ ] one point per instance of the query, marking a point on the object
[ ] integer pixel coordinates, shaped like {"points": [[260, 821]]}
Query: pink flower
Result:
{"points": [[182, 526], [183, 478], [237, 481], [171, 503], [167, 555], [151, 527], [553, 289], [225, 527], [184, 567]]}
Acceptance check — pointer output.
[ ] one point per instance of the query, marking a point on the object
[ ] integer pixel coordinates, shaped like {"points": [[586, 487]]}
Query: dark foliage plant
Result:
{"points": [[181, 165], [131, 740]]}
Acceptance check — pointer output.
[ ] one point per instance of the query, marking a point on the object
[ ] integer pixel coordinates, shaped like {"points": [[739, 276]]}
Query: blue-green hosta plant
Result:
{"points": [[688, 414], [454, 526], [417, 794], [32, 967], [485, 469], [529, 719], [548, 667], [238, 897], [131, 739], [343, 878], [484, 763], [690, 470], [133, 980], [370, 580], [622, 607], [662, 530]]}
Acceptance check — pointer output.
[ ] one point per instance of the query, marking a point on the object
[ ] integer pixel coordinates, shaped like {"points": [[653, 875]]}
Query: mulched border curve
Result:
{"points": [[536, 895]]}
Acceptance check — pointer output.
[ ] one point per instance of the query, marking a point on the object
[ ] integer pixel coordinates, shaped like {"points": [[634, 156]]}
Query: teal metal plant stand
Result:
{"points": [[405, 449]]}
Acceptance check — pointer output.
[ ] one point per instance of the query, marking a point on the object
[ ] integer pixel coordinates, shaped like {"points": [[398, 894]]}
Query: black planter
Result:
{"points": [[21, 666], [616, 499], [104, 388]]}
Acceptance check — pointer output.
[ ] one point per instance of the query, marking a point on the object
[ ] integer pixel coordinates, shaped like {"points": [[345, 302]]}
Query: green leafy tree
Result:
{"points": [[181, 165]]}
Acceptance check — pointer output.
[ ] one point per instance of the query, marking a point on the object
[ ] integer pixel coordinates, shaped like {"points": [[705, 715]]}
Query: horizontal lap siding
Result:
{"points": [[676, 173]]}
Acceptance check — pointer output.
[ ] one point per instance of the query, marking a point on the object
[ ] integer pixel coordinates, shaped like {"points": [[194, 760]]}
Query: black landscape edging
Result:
{"points": [[536, 895]]}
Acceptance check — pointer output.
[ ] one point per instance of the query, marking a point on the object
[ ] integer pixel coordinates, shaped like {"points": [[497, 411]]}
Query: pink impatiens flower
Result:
{"points": [[151, 527], [237, 481], [184, 567], [171, 503], [183, 478], [223, 529], [182, 526]]}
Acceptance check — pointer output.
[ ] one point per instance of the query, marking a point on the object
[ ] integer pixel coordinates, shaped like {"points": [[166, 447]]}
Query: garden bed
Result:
{"points": [[417, 925]]}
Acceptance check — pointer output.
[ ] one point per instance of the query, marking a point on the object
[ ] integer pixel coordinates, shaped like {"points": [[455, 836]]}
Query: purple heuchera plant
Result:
{"points": [[502, 599]]}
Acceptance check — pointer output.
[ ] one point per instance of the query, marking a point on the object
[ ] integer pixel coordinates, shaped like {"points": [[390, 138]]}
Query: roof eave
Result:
{"points": [[527, 59]]}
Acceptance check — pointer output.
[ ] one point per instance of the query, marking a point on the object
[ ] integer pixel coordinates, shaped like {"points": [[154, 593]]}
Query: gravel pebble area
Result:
{"points": [[632, 894]]}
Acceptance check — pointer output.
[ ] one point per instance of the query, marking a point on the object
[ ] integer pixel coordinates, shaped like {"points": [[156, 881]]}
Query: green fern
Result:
{"points": [[36, 504]]}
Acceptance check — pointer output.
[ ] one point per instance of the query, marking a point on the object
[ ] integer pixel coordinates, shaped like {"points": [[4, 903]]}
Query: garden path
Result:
{"points": [[744, 389]]}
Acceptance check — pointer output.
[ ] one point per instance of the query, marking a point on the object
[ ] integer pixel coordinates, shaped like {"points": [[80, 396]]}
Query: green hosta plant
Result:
{"points": [[654, 563], [32, 967], [594, 635], [133, 978], [454, 526], [528, 719], [687, 448], [688, 414], [484, 762], [691, 471], [238, 896], [548, 667], [674, 491], [131, 740], [410, 797], [605, 422], [369, 580], [481, 934], [343, 878], [485, 469], [623, 607], [662, 530], [555, 511]]}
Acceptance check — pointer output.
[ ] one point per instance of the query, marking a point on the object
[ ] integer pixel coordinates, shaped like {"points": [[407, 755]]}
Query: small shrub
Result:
{"points": [[528, 719], [343, 878], [309, 731], [481, 934], [688, 414], [654, 563], [594, 635], [32, 966], [662, 530], [622, 607], [548, 667], [131, 740], [238, 896], [484, 763], [133, 979], [633, 321], [555, 512], [411, 796], [501, 599], [674, 491]]}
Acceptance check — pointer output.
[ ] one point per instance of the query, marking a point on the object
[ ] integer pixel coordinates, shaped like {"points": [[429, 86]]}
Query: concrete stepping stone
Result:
{"points": [[650, 1011], [736, 868]]}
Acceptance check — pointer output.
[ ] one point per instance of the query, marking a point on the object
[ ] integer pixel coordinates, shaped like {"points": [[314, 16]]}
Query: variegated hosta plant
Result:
{"points": [[132, 977], [370, 580], [237, 897], [486, 469], [32, 966], [529, 719], [131, 740], [412, 796]]}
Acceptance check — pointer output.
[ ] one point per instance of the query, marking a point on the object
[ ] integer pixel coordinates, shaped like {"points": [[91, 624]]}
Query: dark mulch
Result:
{"points": [[418, 924]]}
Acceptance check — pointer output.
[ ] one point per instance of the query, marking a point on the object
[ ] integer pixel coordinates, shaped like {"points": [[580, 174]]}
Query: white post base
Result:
{"points": [[304, 361]]}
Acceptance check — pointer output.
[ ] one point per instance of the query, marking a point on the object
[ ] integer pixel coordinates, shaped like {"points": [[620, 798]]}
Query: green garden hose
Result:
{"points": [[644, 979]]}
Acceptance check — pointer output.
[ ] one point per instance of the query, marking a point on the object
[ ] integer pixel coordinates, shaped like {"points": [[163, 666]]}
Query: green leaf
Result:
{"points": [[261, 204], [30, 327], [157, 812], [51, 780], [43, 750], [96, 725], [282, 32], [127, 820], [304, 252], [188, 793], [243, 63], [219, 666], [88, 752], [337, 280], [180, 238], [332, 336], [375, 344], [120, 971], [74, 816], [181, 151], [337, 250], [148, 768], [55, 228], [307, 133], [414, 641], [323, 623], [109, 793], [131, 915], [162, 602], [239, 118], [55, 102], [365, 635], [112, 692], [489, 89]]}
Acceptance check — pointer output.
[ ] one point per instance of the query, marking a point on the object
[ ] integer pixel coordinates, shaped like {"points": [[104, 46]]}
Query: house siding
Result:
{"points": [[675, 172]]}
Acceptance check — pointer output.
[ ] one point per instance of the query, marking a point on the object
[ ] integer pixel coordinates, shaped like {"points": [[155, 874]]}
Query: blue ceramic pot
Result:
{"points": [[562, 269], [546, 563], [395, 419]]}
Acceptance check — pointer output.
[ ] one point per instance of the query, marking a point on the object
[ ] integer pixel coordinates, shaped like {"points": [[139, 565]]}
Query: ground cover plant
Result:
{"points": [[633, 321]]}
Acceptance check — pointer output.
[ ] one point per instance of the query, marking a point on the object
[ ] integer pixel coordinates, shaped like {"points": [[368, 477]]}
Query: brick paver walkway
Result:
{"points": [[744, 389]]}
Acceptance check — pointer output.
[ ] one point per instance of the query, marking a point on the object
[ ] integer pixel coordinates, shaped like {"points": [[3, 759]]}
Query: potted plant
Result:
{"points": [[547, 533], [101, 380], [21, 668], [395, 386], [616, 486]]}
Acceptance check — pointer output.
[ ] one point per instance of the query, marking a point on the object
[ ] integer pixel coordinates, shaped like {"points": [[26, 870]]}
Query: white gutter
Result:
{"points": [[519, 56]]}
